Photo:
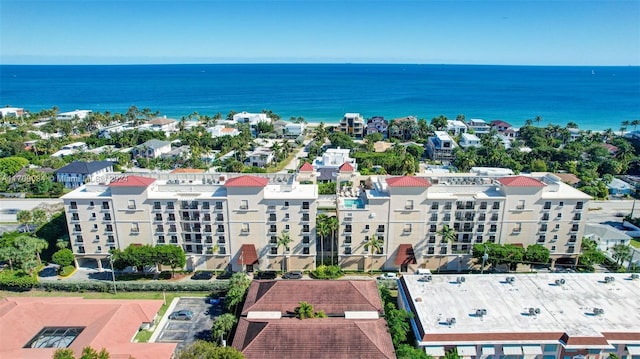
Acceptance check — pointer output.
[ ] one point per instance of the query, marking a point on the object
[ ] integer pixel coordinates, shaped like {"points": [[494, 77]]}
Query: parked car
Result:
{"points": [[268, 274], [202, 275], [388, 276], [225, 275], [181, 315], [295, 274]]}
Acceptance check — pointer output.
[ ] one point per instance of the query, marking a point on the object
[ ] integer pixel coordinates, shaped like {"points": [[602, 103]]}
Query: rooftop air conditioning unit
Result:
{"points": [[481, 312], [560, 281], [511, 280], [609, 279], [460, 280], [635, 276], [451, 321], [534, 311], [598, 311]]}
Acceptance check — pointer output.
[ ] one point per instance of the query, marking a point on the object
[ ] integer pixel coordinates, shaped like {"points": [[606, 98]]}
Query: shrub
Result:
{"points": [[151, 286], [327, 272], [66, 271], [63, 257], [17, 280]]}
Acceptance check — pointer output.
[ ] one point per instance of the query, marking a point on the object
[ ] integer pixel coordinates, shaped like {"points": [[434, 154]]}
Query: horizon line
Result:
{"points": [[305, 63]]}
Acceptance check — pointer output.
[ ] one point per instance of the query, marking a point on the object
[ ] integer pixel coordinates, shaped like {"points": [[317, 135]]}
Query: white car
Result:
{"points": [[388, 276]]}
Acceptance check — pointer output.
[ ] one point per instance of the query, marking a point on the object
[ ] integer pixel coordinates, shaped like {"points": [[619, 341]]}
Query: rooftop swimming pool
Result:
{"points": [[353, 203]]}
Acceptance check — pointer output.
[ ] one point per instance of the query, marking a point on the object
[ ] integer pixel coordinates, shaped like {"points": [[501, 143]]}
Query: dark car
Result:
{"points": [[225, 275], [268, 274], [202, 275], [295, 274], [181, 315]]}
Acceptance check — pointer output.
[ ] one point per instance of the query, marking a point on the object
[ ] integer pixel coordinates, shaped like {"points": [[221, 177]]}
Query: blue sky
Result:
{"points": [[561, 32]]}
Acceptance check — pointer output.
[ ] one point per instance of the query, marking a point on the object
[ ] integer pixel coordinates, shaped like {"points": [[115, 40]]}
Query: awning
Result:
{"points": [[633, 349], [531, 350], [434, 351], [248, 254], [405, 255], [488, 350], [511, 350], [466, 350]]}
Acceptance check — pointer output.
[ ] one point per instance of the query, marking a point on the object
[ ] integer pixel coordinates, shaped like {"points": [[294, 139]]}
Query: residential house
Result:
{"points": [[260, 157], [479, 126], [354, 326], [293, 130], [77, 114], [250, 118], [8, 112], [606, 237], [221, 130], [469, 140], [403, 127], [70, 149], [456, 127], [620, 188], [500, 125], [163, 124], [352, 124], [78, 173], [440, 147], [328, 164], [610, 148], [377, 124], [151, 149]]}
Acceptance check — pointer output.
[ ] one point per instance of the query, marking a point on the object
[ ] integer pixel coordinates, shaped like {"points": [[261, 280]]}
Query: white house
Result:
{"points": [[250, 118], [479, 126], [220, 130], [164, 124], [70, 149], [260, 157], [605, 236], [440, 146], [294, 129], [469, 140], [456, 127], [11, 112], [79, 114], [151, 149], [334, 158]]}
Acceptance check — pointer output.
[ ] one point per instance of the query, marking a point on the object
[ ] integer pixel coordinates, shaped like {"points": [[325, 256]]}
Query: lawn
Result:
{"points": [[635, 243]]}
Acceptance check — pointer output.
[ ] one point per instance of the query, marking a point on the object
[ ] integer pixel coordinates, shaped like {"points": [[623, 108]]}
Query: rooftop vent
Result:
{"points": [[609, 279], [635, 276], [598, 311], [534, 311], [481, 312], [451, 321], [510, 280], [460, 280], [425, 278], [560, 281]]}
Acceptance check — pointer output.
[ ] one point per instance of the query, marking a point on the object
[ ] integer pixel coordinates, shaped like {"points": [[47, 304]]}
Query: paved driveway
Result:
{"points": [[185, 332]]}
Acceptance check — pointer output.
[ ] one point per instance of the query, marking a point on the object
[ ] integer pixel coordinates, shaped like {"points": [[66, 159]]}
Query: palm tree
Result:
{"points": [[332, 223], [305, 310], [283, 241], [635, 124], [448, 234], [373, 245], [322, 229], [538, 119], [621, 253], [222, 325]]}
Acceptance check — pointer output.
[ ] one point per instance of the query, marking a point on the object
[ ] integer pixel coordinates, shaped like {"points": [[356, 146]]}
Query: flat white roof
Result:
{"points": [[567, 308]]}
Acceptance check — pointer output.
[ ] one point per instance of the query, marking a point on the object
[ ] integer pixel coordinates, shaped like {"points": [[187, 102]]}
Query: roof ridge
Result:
{"points": [[366, 297], [360, 324]]}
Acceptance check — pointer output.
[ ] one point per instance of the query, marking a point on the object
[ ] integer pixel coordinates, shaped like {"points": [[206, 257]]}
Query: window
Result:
{"points": [[543, 227], [496, 205], [73, 205], [571, 249], [366, 227], [220, 228], [447, 205], [184, 204], [272, 217], [561, 204], [305, 239], [286, 216], [305, 250], [493, 228], [432, 239], [347, 228], [81, 249], [520, 204], [218, 205], [172, 217], [460, 205], [77, 228], [482, 217], [574, 228], [553, 248], [131, 204], [407, 228], [577, 216], [107, 216], [205, 205], [545, 216], [273, 250], [557, 227], [135, 228], [110, 239], [245, 228], [434, 217], [75, 217], [273, 228], [286, 228], [380, 228], [187, 237], [305, 217], [447, 217], [305, 228], [483, 205], [172, 228], [206, 217], [109, 228], [170, 205], [479, 239], [408, 204], [95, 227], [160, 228], [573, 238], [431, 250], [542, 238], [494, 217], [79, 238], [207, 228], [559, 216], [174, 239], [305, 205], [54, 337], [433, 228], [97, 239], [222, 250], [435, 205], [286, 204], [93, 215], [347, 250], [244, 204], [492, 239], [160, 239], [547, 205], [105, 205], [517, 228], [156, 205], [347, 239], [219, 217], [90, 204], [158, 216], [443, 250], [579, 205]]}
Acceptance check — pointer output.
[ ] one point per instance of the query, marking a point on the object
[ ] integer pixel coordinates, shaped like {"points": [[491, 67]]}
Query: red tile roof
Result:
{"points": [[246, 181], [306, 167], [334, 297], [405, 255], [187, 170], [318, 338], [408, 181], [248, 254], [131, 181], [107, 324], [346, 167], [520, 181]]}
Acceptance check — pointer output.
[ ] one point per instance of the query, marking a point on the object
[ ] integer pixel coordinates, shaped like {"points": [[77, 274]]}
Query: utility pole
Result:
{"points": [[485, 256], [113, 274]]}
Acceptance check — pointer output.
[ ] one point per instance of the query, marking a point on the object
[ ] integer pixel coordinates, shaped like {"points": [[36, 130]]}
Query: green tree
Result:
{"points": [[283, 241], [398, 323], [39, 217], [11, 165], [87, 353], [63, 257], [172, 256], [440, 122], [304, 310], [222, 325], [406, 351], [332, 223], [452, 354], [621, 253], [374, 246], [537, 254], [322, 230], [341, 139], [25, 218], [201, 349], [238, 285], [448, 234]]}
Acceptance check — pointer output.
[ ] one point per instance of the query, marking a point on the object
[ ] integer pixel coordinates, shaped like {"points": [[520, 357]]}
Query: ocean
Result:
{"points": [[595, 98]]}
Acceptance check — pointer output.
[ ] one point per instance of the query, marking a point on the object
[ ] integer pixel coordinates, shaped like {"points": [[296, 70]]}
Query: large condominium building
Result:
{"points": [[221, 221], [407, 214], [352, 124], [529, 316]]}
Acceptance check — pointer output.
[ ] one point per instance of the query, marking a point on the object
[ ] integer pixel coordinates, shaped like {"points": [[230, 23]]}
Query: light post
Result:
{"points": [[113, 274], [485, 256]]}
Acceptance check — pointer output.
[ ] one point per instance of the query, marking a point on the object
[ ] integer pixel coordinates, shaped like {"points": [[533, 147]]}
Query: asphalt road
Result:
{"points": [[185, 332], [607, 211]]}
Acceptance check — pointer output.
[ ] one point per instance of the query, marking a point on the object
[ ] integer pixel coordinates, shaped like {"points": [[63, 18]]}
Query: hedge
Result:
{"points": [[100, 286], [16, 282]]}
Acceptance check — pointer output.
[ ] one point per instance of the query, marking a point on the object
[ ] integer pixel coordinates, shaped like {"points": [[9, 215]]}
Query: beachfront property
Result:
{"points": [[354, 327], [260, 157], [162, 124], [73, 115], [70, 149], [221, 130], [151, 149], [479, 126], [77, 173], [294, 129], [469, 140], [407, 214], [35, 327], [403, 127], [352, 124], [500, 125], [377, 124], [8, 112], [536, 316], [456, 127], [222, 221], [440, 146], [331, 160]]}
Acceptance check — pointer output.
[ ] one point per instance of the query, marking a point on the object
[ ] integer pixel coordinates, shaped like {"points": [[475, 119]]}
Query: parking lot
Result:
{"points": [[185, 332]]}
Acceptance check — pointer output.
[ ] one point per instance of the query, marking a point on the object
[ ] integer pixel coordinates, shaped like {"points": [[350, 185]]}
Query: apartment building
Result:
{"points": [[408, 213], [531, 316], [222, 222], [353, 125]]}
